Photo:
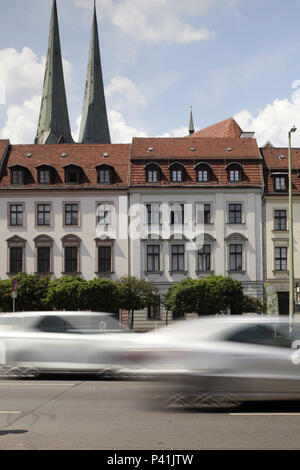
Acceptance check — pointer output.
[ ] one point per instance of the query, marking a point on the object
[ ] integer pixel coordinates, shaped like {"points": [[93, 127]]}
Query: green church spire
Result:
{"points": [[54, 124], [94, 127]]}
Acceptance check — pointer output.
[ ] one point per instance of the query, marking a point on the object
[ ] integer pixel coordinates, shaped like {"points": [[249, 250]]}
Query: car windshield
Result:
{"points": [[86, 324]]}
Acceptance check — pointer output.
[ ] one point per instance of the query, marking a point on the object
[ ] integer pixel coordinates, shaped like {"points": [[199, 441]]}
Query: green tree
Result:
{"points": [[253, 305], [99, 295], [135, 294], [6, 302], [63, 293], [207, 296], [32, 290]]}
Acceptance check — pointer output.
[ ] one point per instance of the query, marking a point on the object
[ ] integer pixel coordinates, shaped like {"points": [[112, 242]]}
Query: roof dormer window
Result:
{"points": [[72, 174], [203, 172], [235, 172], [17, 174], [153, 172], [44, 174], [177, 172], [104, 174]]}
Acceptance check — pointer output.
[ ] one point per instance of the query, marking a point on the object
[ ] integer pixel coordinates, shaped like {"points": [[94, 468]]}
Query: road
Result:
{"points": [[74, 413]]}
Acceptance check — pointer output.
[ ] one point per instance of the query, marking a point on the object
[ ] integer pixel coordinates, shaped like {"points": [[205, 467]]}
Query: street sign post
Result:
{"points": [[14, 286]]}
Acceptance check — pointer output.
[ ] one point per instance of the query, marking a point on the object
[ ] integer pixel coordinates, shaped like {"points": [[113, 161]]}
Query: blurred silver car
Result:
{"points": [[218, 361], [39, 342]]}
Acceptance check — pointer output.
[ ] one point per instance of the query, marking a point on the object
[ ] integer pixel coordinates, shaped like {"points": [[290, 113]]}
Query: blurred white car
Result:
{"points": [[38, 342], [222, 360]]}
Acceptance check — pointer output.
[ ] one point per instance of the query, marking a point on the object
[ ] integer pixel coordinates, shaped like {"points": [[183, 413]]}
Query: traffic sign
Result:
{"points": [[14, 284]]}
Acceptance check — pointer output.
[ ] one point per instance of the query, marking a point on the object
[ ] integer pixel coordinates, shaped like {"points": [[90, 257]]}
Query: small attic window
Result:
{"points": [[192, 149], [63, 155], [229, 149], [150, 149], [105, 154], [28, 155]]}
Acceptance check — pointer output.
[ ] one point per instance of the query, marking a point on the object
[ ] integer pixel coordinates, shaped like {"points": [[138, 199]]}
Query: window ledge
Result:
{"points": [[44, 274], [240, 271], [280, 231], [178, 272], [102, 273], [280, 272], [147, 273], [71, 274], [204, 272]]}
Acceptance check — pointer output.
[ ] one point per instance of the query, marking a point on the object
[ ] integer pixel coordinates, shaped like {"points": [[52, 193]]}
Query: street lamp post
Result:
{"points": [[291, 235]]}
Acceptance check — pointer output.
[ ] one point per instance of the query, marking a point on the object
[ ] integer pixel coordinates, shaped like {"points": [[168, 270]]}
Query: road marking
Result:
{"points": [[38, 384], [265, 414], [10, 412]]}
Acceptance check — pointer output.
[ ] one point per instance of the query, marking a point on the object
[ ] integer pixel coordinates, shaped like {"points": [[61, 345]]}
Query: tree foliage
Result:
{"points": [[207, 296], [135, 294], [31, 293], [99, 295]]}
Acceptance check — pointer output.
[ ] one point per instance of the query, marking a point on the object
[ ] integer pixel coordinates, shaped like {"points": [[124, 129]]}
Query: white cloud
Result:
{"points": [[22, 74], [122, 92], [157, 20], [120, 131], [179, 132], [21, 123], [274, 121]]}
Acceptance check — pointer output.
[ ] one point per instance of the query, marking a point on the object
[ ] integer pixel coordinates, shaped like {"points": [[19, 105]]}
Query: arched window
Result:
{"points": [[203, 172], [153, 172], [17, 173], [177, 172], [104, 174], [235, 172], [44, 174], [73, 174]]}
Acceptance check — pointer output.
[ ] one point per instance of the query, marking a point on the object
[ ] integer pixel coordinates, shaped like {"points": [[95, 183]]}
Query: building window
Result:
{"points": [[153, 258], [204, 258], [16, 260], [280, 183], [43, 214], [104, 214], [16, 215], [154, 310], [104, 259], [177, 214], [152, 176], [234, 171], [176, 176], [202, 176], [72, 174], [153, 214], [43, 259], [44, 176], [71, 214], [104, 176], [280, 220], [71, 259], [235, 213], [177, 258], [17, 175], [281, 258], [235, 257]]}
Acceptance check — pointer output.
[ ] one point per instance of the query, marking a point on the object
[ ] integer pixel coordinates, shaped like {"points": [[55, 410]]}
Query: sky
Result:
{"points": [[224, 58]]}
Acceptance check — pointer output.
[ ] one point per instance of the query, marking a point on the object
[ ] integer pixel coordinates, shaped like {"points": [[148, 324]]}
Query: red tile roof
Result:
{"points": [[215, 151], [84, 155], [208, 148], [227, 128], [275, 163]]}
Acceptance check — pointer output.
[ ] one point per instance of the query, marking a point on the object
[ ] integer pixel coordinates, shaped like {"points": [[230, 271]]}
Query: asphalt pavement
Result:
{"points": [[73, 413]]}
